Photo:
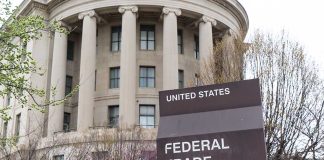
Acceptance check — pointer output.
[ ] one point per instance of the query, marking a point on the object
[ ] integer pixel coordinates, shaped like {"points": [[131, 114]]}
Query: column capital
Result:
{"points": [[90, 13], [167, 10], [64, 25], [206, 19], [123, 9]]}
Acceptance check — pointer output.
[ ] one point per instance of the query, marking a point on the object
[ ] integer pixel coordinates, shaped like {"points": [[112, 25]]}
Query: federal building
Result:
{"points": [[120, 53]]}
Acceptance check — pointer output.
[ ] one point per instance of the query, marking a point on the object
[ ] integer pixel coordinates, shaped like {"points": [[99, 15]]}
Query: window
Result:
{"points": [[95, 85], [196, 47], [147, 77], [114, 77], [99, 155], [8, 99], [113, 116], [68, 85], [196, 79], [180, 41], [5, 129], [181, 79], [115, 38], [70, 50], [17, 129], [147, 116], [147, 37], [58, 157], [66, 122]]}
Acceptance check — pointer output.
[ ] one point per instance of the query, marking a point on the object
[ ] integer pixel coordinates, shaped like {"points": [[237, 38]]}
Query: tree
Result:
{"points": [[16, 62], [291, 91]]}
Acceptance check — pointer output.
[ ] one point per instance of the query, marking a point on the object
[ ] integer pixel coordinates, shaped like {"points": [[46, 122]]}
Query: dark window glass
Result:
{"points": [[8, 99], [17, 129], [58, 157], [100, 155], [147, 116], [181, 79], [196, 47], [114, 77], [115, 38], [147, 37], [113, 116], [68, 85], [95, 86], [5, 129], [147, 77], [180, 42], [70, 50], [66, 122]]}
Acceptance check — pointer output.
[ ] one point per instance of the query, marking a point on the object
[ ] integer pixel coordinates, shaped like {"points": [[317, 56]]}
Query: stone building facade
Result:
{"points": [[121, 53]]}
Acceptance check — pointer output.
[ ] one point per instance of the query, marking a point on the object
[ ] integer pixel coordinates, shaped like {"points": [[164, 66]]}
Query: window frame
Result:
{"points": [[69, 122], [180, 44], [116, 80], [118, 30], [67, 86], [196, 47], [147, 76], [58, 157], [181, 80], [17, 126], [147, 116], [69, 55], [112, 118], [147, 28]]}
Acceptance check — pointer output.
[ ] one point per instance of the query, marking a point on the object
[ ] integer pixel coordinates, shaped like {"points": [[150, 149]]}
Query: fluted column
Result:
{"points": [[87, 70], [206, 45], [58, 76], [170, 48], [128, 67]]}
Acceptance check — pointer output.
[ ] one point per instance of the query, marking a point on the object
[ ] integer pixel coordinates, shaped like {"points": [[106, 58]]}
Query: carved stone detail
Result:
{"points": [[123, 9], [206, 19], [176, 11], [90, 13]]}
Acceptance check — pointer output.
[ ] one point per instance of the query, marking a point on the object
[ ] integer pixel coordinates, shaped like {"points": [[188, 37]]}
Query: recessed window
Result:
{"points": [[114, 77], [68, 84], [181, 79], [116, 38], [147, 116], [147, 77], [196, 79], [70, 50], [66, 122], [113, 116], [18, 123], [147, 37], [58, 157], [8, 99], [180, 41], [5, 129], [196, 47]]}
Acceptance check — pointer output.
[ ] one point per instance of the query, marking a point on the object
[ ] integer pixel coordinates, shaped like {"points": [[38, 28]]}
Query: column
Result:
{"points": [[56, 112], [206, 46], [170, 48], [87, 70], [128, 68]]}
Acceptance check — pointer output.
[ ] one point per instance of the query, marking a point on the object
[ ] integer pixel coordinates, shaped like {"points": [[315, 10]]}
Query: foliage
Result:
{"points": [[16, 61]]}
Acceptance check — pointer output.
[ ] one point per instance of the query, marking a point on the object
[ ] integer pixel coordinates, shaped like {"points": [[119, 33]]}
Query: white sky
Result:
{"points": [[302, 19]]}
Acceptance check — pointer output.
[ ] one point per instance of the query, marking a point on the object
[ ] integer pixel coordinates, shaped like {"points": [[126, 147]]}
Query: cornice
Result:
{"points": [[33, 5], [237, 11]]}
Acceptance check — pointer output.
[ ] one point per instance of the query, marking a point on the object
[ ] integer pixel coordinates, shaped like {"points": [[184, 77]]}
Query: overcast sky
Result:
{"points": [[302, 19]]}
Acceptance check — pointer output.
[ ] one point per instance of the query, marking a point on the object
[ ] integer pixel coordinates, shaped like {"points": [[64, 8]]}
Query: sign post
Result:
{"points": [[215, 122]]}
